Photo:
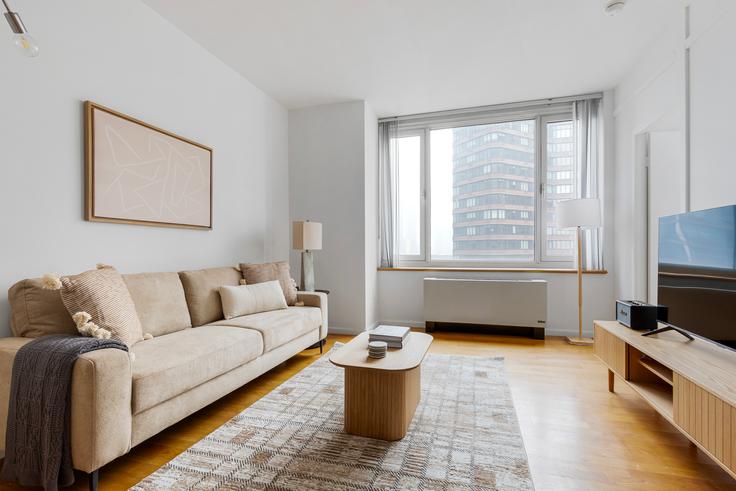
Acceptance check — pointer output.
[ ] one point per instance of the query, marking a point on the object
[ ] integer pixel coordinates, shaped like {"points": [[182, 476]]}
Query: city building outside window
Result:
{"points": [[503, 176]]}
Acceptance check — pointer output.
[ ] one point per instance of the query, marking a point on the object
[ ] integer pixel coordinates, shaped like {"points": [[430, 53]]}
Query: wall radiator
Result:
{"points": [[508, 303]]}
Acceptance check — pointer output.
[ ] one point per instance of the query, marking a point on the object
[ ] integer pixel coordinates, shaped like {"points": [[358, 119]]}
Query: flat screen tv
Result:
{"points": [[697, 272]]}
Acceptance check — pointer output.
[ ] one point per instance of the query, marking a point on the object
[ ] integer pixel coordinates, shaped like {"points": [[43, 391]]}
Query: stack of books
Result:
{"points": [[394, 336]]}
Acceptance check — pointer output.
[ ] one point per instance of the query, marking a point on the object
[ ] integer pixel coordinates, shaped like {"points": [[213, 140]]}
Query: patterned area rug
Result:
{"points": [[464, 436]]}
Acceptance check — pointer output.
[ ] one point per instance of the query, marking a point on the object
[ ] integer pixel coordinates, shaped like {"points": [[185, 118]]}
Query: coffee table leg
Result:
{"points": [[380, 403]]}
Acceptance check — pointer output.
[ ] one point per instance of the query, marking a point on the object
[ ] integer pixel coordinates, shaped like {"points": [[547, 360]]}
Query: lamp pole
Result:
{"points": [[580, 340]]}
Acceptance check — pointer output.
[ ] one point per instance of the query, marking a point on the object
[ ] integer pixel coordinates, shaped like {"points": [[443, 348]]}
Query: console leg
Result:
{"points": [[429, 326], [611, 380], [94, 480]]}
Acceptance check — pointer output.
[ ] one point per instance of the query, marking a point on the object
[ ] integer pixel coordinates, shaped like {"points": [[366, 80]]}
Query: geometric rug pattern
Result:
{"points": [[464, 436]]}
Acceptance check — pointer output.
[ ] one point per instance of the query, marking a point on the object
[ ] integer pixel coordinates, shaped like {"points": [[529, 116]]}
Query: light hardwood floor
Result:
{"points": [[578, 435]]}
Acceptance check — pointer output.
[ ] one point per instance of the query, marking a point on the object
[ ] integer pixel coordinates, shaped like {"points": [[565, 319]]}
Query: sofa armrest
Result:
{"points": [[101, 419], [8, 348], [316, 299]]}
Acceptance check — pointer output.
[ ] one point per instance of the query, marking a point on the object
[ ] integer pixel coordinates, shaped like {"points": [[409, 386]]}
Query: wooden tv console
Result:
{"points": [[692, 384]]}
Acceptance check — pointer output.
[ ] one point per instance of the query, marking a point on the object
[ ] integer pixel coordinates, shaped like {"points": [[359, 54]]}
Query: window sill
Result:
{"points": [[493, 270]]}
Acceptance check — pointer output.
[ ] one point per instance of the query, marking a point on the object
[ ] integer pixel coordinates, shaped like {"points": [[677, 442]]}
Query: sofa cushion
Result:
{"points": [[170, 365], [160, 302], [37, 311], [278, 327], [201, 290]]}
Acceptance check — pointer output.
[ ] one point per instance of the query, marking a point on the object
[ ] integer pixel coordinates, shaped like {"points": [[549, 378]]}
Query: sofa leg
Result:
{"points": [[321, 345], [94, 480]]}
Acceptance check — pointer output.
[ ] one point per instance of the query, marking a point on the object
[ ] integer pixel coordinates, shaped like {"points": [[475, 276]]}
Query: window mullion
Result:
{"points": [[538, 192], [426, 197]]}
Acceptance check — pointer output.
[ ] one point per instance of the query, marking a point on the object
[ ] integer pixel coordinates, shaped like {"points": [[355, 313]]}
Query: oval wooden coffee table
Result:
{"points": [[381, 395]]}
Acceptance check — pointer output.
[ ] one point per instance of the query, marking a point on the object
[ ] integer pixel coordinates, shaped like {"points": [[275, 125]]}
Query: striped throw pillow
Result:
{"points": [[102, 293]]}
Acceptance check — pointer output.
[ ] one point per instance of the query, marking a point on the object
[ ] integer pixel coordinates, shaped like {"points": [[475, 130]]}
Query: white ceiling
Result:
{"points": [[410, 56]]}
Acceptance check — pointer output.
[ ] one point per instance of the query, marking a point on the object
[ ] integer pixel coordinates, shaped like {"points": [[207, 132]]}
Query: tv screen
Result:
{"points": [[697, 272]]}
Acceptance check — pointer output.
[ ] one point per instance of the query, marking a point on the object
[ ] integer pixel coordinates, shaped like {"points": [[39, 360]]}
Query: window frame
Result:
{"points": [[544, 258], [424, 130]]}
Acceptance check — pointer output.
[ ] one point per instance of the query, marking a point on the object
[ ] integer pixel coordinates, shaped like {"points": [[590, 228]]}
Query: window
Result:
{"points": [[483, 201], [559, 243], [409, 199]]}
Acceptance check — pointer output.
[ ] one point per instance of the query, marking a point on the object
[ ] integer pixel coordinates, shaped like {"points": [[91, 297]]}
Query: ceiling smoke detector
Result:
{"points": [[614, 7]]}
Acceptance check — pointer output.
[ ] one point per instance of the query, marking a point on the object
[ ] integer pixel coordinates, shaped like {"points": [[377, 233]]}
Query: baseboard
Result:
{"points": [[342, 330], [416, 325], [419, 325], [566, 332]]}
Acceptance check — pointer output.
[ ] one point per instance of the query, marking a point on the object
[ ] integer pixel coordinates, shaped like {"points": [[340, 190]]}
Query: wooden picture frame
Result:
{"points": [[136, 173]]}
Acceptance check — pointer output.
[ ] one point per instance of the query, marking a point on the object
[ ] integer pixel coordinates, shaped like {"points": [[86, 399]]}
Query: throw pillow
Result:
{"points": [[101, 305], [259, 273], [251, 299]]}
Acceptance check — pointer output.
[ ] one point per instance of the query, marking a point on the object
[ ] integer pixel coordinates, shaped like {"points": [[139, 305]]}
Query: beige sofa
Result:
{"points": [[195, 358]]}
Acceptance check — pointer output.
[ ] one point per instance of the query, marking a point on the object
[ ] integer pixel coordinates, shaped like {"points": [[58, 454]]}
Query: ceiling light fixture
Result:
{"points": [[614, 7], [22, 40]]}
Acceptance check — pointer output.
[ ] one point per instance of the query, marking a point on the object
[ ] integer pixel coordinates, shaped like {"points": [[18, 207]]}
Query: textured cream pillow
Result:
{"points": [[251, 299], [259, 273], [99, 299]]}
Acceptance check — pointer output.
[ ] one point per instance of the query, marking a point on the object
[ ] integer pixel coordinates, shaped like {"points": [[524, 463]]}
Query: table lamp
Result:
{"points": [[307, 237], [579, 213]]}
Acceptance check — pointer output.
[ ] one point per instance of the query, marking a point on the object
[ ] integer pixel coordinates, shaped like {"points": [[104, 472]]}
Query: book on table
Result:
{"points": [[394, 336]]}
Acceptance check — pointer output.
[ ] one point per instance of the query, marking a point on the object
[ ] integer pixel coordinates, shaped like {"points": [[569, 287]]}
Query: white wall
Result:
{"points": [[327, 181], [125, 56], [652, 99], [713, 102]]}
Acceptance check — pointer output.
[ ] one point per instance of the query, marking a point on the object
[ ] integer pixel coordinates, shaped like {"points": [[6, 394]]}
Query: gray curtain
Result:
{"points": [[387, 193], [587, 127]]}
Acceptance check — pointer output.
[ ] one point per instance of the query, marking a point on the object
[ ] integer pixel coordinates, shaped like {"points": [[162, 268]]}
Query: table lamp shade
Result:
{"points": [[585, 212], [307, 236]]}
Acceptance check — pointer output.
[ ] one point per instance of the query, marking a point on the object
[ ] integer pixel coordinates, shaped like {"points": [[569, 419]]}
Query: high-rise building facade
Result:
{"points": [[495, 186]]}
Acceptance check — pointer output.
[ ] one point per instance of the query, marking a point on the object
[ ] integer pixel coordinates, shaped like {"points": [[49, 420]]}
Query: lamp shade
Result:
{"points": [[306, 236], [585, 212]]}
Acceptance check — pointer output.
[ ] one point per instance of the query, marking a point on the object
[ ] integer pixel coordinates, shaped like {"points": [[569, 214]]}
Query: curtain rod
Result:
{"points": [[495, 107]]}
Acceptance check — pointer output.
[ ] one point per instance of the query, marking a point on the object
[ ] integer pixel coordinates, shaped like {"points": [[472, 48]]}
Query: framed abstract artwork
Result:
{"points": [[136, 173]]}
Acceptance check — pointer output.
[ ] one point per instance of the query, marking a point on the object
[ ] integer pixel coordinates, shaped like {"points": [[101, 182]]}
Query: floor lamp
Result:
{"points": [[579, 214]]}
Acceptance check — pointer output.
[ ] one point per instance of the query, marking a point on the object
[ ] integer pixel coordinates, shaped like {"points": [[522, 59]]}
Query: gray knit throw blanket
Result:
{"points": [[37, 440]]}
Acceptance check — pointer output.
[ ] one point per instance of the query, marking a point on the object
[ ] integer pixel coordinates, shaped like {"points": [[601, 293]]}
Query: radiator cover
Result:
{"points": [[515, 303]]}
